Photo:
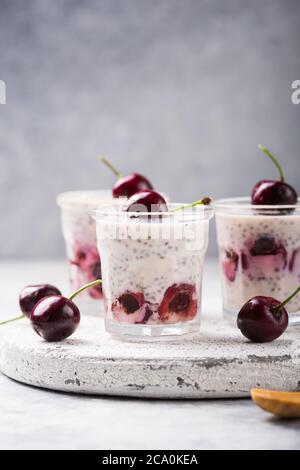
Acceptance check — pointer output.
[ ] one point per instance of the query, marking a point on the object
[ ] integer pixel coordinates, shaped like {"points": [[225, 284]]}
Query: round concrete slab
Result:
{"points": [[217, 362]]}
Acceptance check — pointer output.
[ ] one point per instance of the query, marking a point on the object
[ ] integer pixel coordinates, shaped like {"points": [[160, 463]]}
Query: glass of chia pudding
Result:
{"points": [[259, 251], [152, 270], [79, 231]]}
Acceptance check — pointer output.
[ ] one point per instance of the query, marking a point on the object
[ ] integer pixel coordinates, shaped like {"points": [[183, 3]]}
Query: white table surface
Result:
{"points": [[31, 418]]}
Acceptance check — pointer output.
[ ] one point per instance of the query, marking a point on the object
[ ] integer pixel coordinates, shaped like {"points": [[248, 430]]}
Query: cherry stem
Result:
{"points": [[205, 202], [111, 167], [274, 160], [290, 297], [86, 286], [19, 317]]}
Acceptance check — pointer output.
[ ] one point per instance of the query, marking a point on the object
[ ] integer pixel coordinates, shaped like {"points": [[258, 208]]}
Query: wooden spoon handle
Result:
{"points": [[283, 404]]}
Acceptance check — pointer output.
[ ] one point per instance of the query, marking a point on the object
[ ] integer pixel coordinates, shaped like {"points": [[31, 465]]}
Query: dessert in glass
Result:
{"points": [[79, 233], [79, 230], [152, 266], [259, 243], [259, 250]]}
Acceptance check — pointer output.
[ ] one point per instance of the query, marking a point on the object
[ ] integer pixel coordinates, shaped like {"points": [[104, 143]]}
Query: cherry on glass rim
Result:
{"points": [[126, 186], [145, 201], [273, 192]]}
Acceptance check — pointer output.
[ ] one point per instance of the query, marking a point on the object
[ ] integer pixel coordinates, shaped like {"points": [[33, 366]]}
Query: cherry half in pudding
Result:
{"points": [[86, 259], [263, 255], [230, 264], [131, 307], [268, 254], [126, 186], [273, 192], [179, 304]]}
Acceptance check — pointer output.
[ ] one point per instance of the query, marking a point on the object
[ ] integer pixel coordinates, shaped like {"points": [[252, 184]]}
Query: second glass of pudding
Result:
{"points": [[79, 231], [259, 250], [152, 266]]}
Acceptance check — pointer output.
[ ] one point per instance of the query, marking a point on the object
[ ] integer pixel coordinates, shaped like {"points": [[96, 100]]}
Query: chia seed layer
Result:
{"points": [[152, 271]]}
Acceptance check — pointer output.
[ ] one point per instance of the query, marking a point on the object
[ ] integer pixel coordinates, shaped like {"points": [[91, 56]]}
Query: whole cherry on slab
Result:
{"points": [[30, 295], [263, 319], [56, 317]]}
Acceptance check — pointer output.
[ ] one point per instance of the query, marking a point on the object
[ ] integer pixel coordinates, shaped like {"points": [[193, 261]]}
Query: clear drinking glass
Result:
{"points": [[79, 231], [152, 270], [259, 251]]}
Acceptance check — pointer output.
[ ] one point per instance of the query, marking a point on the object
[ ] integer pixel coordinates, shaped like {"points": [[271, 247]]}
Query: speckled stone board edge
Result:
{"points": [[216, 363]]}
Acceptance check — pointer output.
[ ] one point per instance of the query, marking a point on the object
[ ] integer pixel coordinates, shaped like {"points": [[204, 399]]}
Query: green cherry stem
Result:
{"points": [[205, 202], [286, 301], [274, 160], [111, 167], [86, 286], [19, 317]]}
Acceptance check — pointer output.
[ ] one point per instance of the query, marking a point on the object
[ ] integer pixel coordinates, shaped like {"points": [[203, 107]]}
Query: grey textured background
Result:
{"points": [[181, 90]]}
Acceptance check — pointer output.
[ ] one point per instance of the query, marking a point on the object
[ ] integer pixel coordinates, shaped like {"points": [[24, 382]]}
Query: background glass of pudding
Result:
{"points": [[259, 251], [152, 266], [79, 231]]}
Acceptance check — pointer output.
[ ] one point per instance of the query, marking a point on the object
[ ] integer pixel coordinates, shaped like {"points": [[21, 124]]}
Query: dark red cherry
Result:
{"points": [[30, 295], [55, 318], [126, 186], [179, 303], [272, 192], [267, 192], [131, 302], [260, 321], [131, 184], [266, 245], [146, 201], [294, 263], [131, 307], [230, 264]]}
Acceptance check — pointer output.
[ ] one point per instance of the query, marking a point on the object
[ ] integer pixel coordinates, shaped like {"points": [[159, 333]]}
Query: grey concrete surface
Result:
{"points": [[179, 90]]}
